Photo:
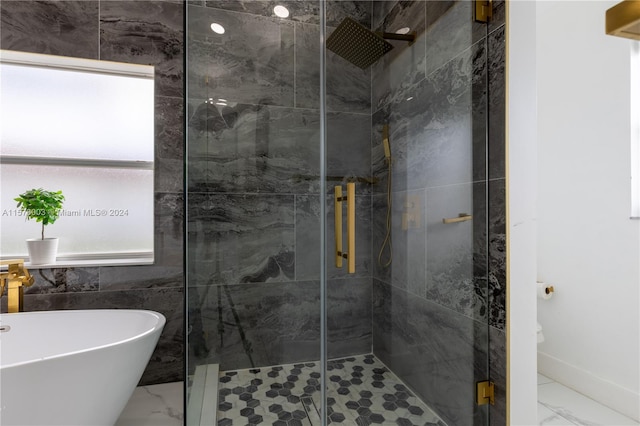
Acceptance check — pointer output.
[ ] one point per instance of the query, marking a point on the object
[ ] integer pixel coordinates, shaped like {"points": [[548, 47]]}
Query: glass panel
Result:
{"points": [[408, 331], [104, 214], [253, 214]]}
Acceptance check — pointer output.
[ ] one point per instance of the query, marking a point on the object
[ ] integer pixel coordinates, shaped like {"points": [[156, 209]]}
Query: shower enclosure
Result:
{"points": [[345, 212]]}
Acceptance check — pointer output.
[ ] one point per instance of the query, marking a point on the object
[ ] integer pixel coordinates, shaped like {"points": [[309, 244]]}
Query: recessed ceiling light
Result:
{"points": [[404, 30], [281, 11], [217, 28]]}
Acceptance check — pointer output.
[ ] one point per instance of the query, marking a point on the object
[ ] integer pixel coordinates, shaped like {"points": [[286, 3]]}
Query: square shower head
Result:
{"points": [[357, 44]]}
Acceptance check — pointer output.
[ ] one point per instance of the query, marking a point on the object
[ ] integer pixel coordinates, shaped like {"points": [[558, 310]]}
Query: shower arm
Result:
{"points": [[411, 37]]}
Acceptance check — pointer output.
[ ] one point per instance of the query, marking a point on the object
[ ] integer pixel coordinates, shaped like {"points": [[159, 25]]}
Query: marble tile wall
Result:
{"points": [[254, 197], [431, 306], [141, 32]]}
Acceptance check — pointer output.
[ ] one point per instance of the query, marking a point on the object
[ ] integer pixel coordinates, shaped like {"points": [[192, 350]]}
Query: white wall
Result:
{"points": [[588, 248], [521, 212]]}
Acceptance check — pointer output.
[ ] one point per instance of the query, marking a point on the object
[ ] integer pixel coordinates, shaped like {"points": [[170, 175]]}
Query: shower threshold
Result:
{"points": [[361, 390]]}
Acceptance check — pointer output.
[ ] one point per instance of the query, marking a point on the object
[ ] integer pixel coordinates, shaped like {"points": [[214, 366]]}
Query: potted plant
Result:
{"points": [[43, 206]]}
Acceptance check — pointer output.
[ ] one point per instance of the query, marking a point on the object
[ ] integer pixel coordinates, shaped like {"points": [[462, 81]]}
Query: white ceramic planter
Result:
{"points": [[42, 252]]}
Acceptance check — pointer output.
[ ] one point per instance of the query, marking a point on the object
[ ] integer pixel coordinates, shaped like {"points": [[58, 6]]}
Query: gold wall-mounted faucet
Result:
{"points": [[14, 280]]}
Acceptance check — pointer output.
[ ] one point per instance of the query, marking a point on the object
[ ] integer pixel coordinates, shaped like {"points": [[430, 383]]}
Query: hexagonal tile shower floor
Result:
{"points": [[361, 391]]}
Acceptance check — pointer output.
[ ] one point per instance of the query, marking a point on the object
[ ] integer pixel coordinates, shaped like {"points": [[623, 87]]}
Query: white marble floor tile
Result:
{"points": [[155, 405], [543, 379], [577, 408], [547, 417]]}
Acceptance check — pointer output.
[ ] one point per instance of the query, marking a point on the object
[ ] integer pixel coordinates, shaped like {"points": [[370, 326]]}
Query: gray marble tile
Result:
{"points": [[258, 324], [168, 229], [431, 126], [308, 237], [348, 145], [497, 254], [301, 11], [252, 62], [451, 30], [381, 9], [348, 317], [405, 64], [166, 364], [498, 17], [145, 32], [66, 28], [139, 277], [451, 249], [348, 88], [441, 362], [408, 246], [253, 148], [498, 375], [496, 66], [169, 144], [240, 238], [62, 280]]}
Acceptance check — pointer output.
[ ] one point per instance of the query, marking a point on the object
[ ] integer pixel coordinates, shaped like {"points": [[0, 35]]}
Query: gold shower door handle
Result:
{"points": [[337, 220], [462, 217], [350, 255]]}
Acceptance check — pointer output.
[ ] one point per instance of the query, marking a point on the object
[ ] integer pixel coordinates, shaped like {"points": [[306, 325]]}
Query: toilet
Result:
{"points": [[540, 335]]}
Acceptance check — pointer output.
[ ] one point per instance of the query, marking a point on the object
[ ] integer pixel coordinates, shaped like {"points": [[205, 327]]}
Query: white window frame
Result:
{"points": [[87, 258], [635, 129]]}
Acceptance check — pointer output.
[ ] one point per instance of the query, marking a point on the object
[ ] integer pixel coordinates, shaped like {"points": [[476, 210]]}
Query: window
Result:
{"points": [[635, 129], [85, 127]]}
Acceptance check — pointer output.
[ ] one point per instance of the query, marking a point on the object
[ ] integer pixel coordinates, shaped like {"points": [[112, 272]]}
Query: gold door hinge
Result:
{"points": [[483, 10], [485, 393]]}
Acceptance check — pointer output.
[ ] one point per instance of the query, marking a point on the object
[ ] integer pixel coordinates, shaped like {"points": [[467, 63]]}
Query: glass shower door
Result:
{"points": [[407, 125]]}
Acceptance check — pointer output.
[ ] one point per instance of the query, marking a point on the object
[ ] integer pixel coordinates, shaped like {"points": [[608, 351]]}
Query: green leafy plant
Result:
{"points": [[43, 206]]}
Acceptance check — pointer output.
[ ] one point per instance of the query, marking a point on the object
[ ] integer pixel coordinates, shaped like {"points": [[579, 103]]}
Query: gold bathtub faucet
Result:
{"points": [[14, 280]]}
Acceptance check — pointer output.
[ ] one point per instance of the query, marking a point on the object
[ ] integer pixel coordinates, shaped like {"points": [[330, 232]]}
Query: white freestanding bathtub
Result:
{"points": [[72, 367]]}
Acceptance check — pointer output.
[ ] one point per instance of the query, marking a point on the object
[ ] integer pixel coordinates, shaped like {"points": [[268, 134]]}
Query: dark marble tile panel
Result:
{"points": [[496, 58], [62, 280], [166, 364], [252, 62], [406, 244], [451, 30], [301, 11], [66, 28], [440, 354], [432, 127], [348, 317], [169, 144], [497, 253], [254, 325], [168, 229], [236, 239], [498, 375], [405, 64], [348, 146], [381, 9], [145, 32], [348, 87], [253, 148], [453, 249], [169, 128], [499, 14], [139, 277], [308, 236]]}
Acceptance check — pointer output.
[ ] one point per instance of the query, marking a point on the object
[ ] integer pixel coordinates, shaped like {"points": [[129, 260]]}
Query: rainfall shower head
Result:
{"points": [[358, 45]]}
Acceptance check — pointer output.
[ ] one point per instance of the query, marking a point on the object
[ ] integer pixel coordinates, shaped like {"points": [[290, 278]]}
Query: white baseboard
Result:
{"points": [[614, 396]]}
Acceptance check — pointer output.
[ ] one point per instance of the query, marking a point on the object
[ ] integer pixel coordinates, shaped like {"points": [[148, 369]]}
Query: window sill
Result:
{"points": [[89, 261]]}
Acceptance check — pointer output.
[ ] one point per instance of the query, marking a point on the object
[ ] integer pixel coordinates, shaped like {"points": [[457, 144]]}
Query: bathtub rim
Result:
{"points": [[157, 327]]}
